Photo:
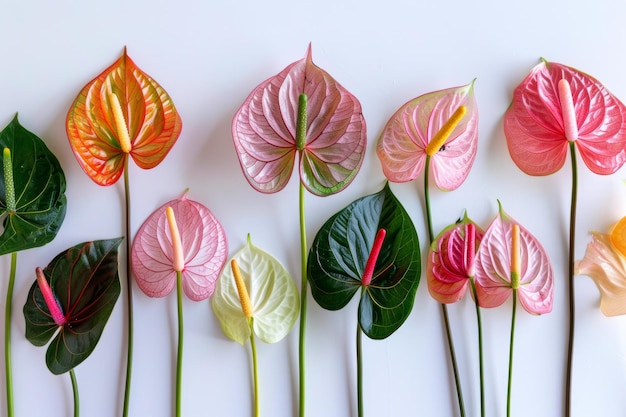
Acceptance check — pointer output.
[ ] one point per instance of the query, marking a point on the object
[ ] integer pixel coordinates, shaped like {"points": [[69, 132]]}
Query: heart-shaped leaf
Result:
{"points": [[402, 147], [536, 125], [494, 268], [204, 250], [340, 252], [267, 135], [273, 295], [37, 192], [121, 112], [84, 279]]}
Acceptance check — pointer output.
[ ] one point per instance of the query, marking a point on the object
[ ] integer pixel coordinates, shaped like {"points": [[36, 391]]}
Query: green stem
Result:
{"points": [[129, 294], [303, 299], [179, 360], [480, 349], [7, 337], [255, 374], [571, 294], [444, 308], [75, 392], [359, 370], [508, 390]]}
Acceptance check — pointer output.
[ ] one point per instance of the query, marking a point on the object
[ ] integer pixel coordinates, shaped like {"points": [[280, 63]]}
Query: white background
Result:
{"points": [[209, 56]]}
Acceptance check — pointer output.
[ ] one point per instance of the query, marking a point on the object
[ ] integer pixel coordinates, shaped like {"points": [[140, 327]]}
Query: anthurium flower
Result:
{"points": [[605, 263], [273, 296], [339, 254], [122, 112], [71, 302], [204, 250], [442, 125], [452, 260], [504, 264], [300, 112], [555, 105]]}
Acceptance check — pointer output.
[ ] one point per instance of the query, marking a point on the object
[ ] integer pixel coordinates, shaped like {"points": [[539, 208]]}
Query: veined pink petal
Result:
{"points": [[448, 263], [401, 147], [204, 249], [264, 131], [535, 127], [493, 268], [606, 266]]}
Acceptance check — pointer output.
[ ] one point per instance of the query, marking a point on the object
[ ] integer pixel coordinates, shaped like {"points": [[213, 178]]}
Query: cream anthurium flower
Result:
{"points": [[273, 296], [605, 264]]}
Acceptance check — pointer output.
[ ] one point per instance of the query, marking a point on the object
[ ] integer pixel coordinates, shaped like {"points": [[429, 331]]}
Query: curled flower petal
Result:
{"points": [[402, 145], [535, 124], [98, 132], [265, 137], [606, 266], [204, 249], [493, 268], [449, 262]]}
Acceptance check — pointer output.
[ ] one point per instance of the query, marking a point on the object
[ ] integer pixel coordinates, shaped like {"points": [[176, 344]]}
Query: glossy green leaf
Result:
{"points": [[39, 189], [273, 295], [84, 279], [341, 249]]}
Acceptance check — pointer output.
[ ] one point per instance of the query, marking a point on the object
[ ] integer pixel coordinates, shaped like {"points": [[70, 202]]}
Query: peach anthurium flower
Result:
{"points": [[204, 250], [509, 260], [555, 105], [451, 260], [300, 111], [605, 264], [403, 146], [121, 113]]}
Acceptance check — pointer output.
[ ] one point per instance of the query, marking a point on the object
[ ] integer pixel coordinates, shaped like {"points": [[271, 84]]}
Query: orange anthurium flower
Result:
{"points": [[119, 113], [605, 264]]}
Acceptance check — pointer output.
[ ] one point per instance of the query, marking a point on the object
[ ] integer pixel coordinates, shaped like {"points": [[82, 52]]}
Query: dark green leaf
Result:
{"points": [[85, 281], [39, 191], [341, 249]]}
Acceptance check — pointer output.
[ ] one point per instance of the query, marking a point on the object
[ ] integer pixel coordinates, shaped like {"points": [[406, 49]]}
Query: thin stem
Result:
{"points": [[7, 337], [303, 299], [179, 361], [571, 294], [508, 390], [480, 349], [75, 392], [255, 374], [129, 294], [359, 370], [444, 308]]}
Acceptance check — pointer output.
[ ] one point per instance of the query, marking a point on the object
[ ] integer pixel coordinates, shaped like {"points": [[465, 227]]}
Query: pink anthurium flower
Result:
{"points": [[403, 146], [605, 264], [300, 112], [204, 250], [555, 105], [452, 261], [496, 268]]}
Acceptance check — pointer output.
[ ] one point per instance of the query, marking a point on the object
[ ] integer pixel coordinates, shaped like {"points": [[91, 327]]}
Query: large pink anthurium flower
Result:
{"points": [[555, 105], [119, 114], [300, 112], [447, 120], [204, 250], [605, 263], [452, 260], [511, 258]]}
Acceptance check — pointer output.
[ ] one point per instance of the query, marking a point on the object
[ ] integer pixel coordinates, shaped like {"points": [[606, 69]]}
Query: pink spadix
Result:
{"points": [[51, 301], [567, 109], [470, 249], [368, 272]]}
